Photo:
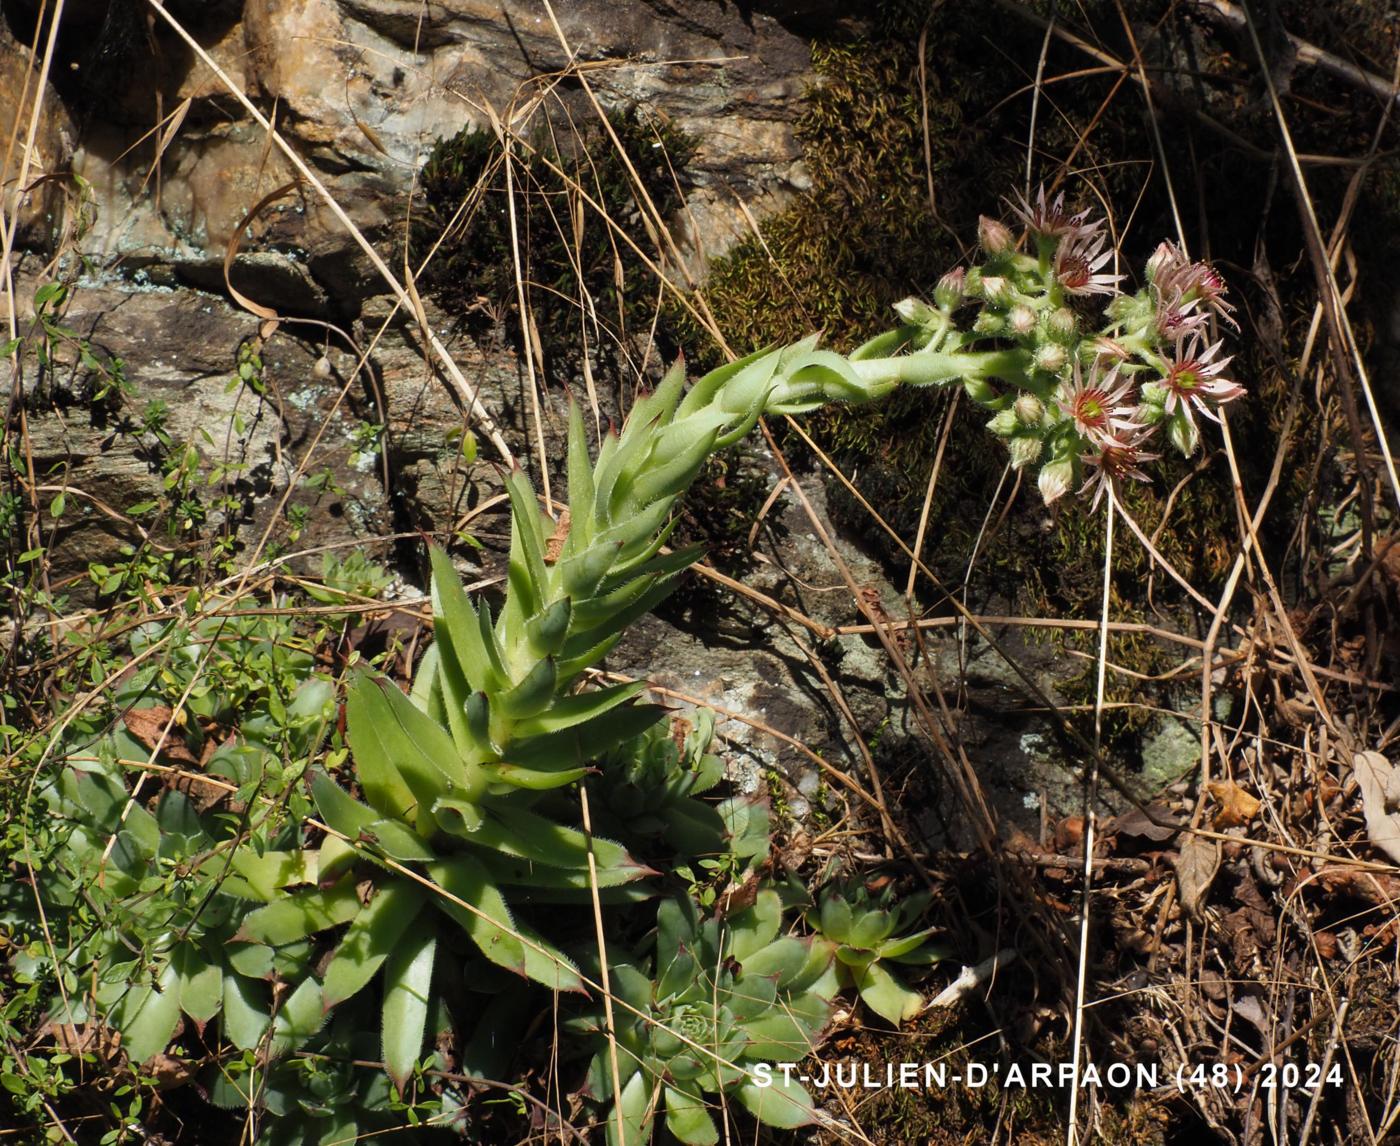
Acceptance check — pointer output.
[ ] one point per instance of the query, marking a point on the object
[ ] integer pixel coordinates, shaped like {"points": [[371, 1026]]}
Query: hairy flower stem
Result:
{"points": [[934, 368]]}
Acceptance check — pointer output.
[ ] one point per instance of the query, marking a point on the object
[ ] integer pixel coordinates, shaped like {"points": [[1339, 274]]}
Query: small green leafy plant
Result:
{"points": [[718, 997], [871, 934]]}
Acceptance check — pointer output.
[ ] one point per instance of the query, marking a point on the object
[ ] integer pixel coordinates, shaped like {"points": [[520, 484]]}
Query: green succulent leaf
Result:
{"points": [[405, 760], [384, 923], [530, 836], [637, 1106], [298, 915], [408, 977], [263, 877], [245, 1011], [784, 1105], [886, 995], [147, 1014], [688, 1119], [201, 983], [300, 1016], [489, 924]]}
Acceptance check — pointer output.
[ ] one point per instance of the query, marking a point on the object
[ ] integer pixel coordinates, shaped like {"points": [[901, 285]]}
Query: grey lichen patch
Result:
{"points": [[1171, 748]]}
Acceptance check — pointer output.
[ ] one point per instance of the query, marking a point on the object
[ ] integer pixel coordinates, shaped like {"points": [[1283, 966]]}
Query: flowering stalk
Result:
{"points": [[1082, 400]]}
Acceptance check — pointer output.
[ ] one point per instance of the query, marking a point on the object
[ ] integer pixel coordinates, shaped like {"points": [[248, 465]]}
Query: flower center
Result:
{"points": [[1074, 272], [1185, 378], [1091, 408]]}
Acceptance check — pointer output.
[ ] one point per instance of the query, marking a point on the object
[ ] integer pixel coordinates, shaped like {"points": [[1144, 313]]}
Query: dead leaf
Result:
{"points": [[1069, 835], [1196, 864], [554, 543], [1137, 822], [150, 725], [1380, 797], [1237, 807]]}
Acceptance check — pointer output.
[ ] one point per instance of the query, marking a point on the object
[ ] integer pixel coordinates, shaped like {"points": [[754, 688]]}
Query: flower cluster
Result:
{"points": [[1082, 398]]}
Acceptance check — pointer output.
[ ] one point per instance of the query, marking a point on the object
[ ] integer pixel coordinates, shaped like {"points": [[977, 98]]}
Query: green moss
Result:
{"points": [[567, 249]]}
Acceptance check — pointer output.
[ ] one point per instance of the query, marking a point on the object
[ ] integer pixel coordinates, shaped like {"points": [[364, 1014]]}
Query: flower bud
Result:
{"points": [[1166, 259], [1182, 432], [1021, 320], [1029, 410], [1051, 357], [1025, 449], [989, 323], [995, 238], [1004, 424], [1152, 408], [915, 312], [1063, 324], [1055, 478], [980, 391], [996, 289], [951, 290]]}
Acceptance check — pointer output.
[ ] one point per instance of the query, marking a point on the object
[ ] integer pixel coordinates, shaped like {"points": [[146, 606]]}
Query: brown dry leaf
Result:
{"points": [[1136, 822], [554, 543], [1380, 798], [1196, 865], [1237, 807], [149, 725]]}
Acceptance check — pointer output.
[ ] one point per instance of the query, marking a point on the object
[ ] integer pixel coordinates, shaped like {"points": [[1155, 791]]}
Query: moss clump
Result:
{"points": [[572, 188]]}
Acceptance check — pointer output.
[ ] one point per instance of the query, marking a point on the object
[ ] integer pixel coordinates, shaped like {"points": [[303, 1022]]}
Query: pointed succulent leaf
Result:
{"points": [[893, 948], [299, 1017], [397, 841], [546, 631], [709, 385], [580, 575], [836, 917], [298, 915], [408, 980], [426, 690], [581, 490], [386, 921], [637, 1107], [688, 1119], [251, 960], [581, 707], [784, 1105], [530, 836], [886, 995], [201, 983], [525, 573], [469, 660], [367, 719], [669, 480], [535, 779], [779, 1035], [677, 922], [335, 858], [478, 906], [262, 877], [585, 741], [870, 929], [245, 1011], [783, 960], [925, 955], [148, 1013], [533, 693], [403, 741], [756, 926], [338, 809]]}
